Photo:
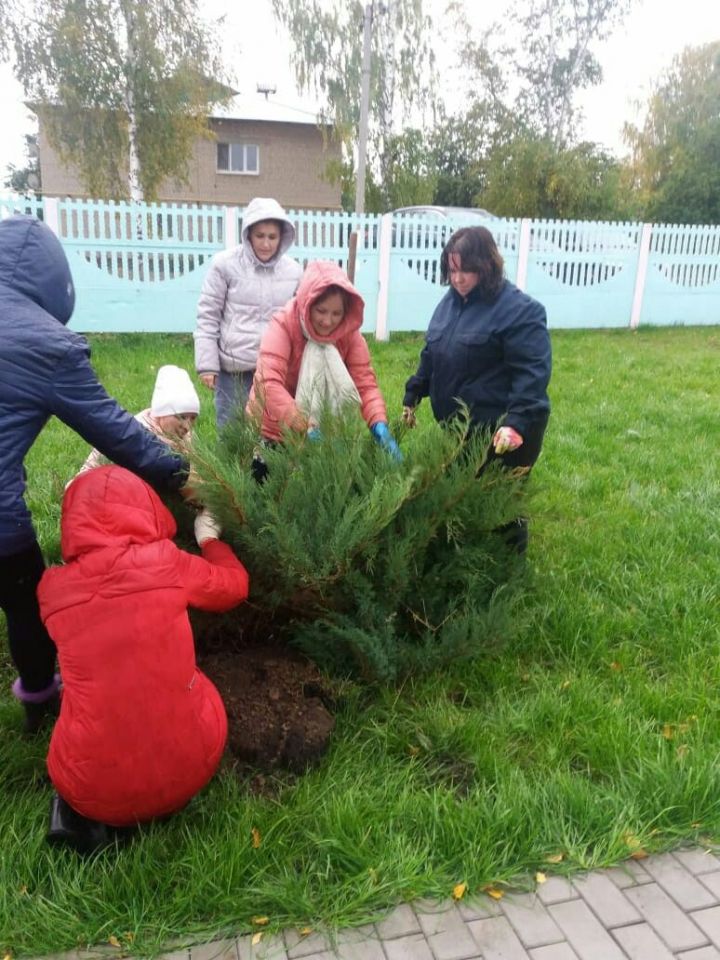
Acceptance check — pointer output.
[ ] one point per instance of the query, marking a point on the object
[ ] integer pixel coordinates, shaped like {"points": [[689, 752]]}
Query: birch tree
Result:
{"points": [[531, 67], [124, 87], [327, 39], [558, 60], [676, 147]]}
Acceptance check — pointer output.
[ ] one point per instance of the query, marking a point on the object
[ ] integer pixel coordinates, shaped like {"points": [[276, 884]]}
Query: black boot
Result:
{"points": [[72, 829], [516, 535], [40, 715], [41, 707]]}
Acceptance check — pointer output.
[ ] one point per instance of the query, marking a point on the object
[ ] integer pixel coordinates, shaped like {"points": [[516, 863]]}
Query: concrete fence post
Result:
{"points": [[51, 214], [641, 275], [382, 331], [231, 230], [523, 254]]}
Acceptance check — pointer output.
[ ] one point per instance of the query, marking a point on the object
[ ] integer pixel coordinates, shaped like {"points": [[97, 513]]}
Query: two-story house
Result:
{"points": [[260, 147]]}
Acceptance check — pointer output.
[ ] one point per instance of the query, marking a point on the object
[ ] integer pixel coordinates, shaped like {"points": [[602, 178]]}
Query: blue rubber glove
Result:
{"points": [[381, 434], [314, 434]]}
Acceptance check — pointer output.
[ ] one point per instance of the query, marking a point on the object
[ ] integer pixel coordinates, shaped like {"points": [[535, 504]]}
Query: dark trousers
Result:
{"points": [[31, 648], [515, 533]]}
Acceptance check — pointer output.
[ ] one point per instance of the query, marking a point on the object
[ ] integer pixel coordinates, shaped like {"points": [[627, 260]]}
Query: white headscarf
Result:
{"points": [[324, 382]]}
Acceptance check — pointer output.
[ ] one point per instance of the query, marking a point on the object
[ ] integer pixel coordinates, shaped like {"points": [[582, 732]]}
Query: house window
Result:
{"points": [[238, 158]]}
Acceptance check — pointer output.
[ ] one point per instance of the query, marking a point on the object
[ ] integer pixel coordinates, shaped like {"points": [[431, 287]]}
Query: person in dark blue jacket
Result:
{"points": [[44, 371], [488, 347]]}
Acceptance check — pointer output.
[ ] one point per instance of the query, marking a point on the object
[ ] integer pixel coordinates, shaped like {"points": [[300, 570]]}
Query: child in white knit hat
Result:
{"points": [[171, 415]]}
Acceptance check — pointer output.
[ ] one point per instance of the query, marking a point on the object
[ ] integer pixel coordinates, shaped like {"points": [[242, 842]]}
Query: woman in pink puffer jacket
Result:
{"points": [[313, 357]]}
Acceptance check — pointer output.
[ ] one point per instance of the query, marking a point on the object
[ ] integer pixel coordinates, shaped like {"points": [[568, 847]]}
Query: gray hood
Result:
{"points": [[265, 208], [240, 294]]}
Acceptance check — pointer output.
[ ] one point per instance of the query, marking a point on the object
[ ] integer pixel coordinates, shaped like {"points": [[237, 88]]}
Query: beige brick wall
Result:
{"points": [[57, 179], [293, 159]]}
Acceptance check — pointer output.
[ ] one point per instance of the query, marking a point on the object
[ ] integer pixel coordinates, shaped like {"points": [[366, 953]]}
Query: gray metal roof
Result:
{"points": [[257, 107]]}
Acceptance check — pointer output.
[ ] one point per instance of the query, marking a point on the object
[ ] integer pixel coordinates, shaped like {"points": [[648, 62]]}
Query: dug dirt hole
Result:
{"points": [[276, 703]]}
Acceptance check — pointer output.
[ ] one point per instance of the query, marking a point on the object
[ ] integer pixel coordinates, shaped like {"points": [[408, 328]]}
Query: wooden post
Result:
{"points": [[352, 255]]}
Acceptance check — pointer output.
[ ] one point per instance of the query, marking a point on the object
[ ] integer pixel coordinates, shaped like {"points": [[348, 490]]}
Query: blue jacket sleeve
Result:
{"points": [[79, 400], [528, 356]]}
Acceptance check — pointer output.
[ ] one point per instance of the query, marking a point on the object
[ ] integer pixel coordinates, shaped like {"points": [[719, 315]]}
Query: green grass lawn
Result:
{"points": [[595, 730]]}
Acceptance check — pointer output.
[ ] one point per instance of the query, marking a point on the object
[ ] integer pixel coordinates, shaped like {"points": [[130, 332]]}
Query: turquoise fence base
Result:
{"points": [[140, 267]]}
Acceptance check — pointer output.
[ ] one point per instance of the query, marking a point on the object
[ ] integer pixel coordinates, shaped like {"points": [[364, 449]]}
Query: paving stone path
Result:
{"points": [[666, 907]]}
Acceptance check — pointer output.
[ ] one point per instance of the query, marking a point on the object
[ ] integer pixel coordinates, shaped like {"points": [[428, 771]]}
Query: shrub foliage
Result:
{"points": [[372, 568]]}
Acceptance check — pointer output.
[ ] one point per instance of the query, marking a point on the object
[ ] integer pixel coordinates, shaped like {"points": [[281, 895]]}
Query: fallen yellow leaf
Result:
{"points": [[113, 941], [494, 892], [631, 840], [555, 858], [635, 846], [413, 751], [257, 937], [129, 936], [8, 956], [459, 891], [260, 921], [565, 684], [681, 751], [615, 665], [256, 838], [540, 877], [305, 931], [668, 731], [24, 890]]}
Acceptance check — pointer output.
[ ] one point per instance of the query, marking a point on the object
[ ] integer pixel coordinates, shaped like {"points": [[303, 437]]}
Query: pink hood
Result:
{"points": [[273, 394], [319, 275]]}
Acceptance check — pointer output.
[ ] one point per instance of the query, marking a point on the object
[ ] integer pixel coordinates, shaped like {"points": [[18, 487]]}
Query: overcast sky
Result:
{"points": [[257, 52]]}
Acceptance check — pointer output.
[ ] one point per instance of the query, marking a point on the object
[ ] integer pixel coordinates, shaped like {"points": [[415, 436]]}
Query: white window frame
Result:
{"points": [[243, 146]]}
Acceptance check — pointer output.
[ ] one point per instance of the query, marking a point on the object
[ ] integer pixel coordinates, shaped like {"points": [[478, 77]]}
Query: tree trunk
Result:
{"points": [[386, 35], [131, 61]]}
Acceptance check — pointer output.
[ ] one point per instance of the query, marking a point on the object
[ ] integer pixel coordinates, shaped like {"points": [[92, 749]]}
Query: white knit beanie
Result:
{"points": [[174, 393]]}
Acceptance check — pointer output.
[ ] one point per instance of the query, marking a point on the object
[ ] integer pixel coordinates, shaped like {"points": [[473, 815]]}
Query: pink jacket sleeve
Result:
{"points": [[271, 374], [357, 360], [217, 581]]}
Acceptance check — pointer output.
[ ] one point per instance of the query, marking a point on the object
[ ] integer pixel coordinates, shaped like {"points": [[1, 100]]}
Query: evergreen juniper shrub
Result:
{"points": [[373, 569]]}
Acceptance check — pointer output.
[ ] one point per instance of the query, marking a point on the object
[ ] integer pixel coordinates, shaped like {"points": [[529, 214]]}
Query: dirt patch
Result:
{"points": [[276, 704]]}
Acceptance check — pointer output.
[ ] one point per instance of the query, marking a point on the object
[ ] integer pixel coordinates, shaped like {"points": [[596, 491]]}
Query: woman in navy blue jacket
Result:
{"points": [[487, 347], [44, 371]]}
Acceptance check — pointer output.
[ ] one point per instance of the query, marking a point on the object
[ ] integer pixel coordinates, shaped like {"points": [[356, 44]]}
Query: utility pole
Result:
{"points": [[364, 109]]}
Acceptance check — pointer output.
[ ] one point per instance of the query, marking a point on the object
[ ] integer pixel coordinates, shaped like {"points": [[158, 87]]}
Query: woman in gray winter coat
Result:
{"points": [[242, 290]]}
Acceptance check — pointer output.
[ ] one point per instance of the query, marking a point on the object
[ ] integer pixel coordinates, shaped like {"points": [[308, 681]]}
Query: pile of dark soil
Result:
{"points": [[277, 706]]}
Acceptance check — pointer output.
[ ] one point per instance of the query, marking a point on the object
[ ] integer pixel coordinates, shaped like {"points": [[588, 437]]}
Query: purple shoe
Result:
{"points": [[41, 707]]}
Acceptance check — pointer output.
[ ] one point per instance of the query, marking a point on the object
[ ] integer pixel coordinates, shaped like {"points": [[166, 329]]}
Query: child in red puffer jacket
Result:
{"points": [[141, 729]]}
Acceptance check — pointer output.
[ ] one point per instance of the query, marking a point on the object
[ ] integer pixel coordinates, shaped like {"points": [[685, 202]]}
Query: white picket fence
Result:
{"points": [[140, 267]]}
